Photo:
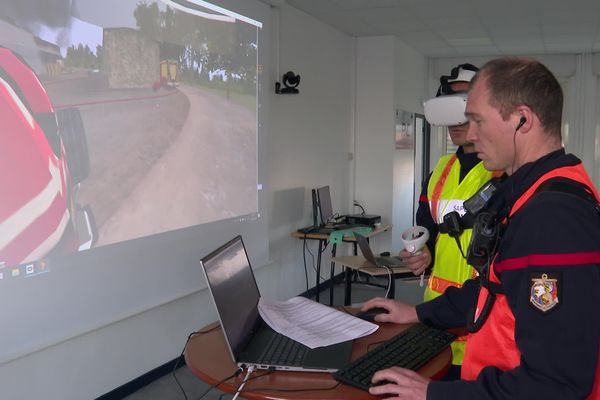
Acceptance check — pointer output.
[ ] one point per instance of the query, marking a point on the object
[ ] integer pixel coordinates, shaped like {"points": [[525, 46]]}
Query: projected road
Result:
{"points": [[186, 153]]}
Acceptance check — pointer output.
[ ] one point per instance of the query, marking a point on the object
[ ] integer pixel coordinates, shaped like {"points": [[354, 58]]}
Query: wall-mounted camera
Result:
{"points": [[290, 81]]}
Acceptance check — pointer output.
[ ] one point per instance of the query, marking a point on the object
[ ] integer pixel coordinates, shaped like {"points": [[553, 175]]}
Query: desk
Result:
{"points": [[208, 358], [323, 238], [359, 263]]}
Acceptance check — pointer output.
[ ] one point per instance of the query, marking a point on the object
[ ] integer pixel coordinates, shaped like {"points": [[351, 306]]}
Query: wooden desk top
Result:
{"points": [[208, 358], [324, 236], [361, 264]]}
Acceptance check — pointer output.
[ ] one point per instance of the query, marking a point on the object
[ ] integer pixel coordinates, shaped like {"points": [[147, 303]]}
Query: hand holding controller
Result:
{"points": [[414, 239]]}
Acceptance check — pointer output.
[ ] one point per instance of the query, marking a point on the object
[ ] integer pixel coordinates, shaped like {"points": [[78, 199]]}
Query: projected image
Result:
{"points": [[122, 119]]}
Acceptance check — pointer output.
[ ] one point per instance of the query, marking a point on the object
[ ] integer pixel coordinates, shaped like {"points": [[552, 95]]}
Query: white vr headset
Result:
{"points": [[448, 110]]}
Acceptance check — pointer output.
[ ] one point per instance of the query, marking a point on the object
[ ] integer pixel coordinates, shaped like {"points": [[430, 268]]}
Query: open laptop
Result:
{"points": [[250, 340], [389, 261]]}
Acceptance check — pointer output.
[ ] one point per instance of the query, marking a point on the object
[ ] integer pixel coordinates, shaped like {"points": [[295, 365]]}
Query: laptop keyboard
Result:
{"points": [[282, 350], [410, 349]]}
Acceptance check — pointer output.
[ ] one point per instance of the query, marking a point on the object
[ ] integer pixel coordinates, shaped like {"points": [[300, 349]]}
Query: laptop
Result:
{"points": [[389, 261], [250, 340]]}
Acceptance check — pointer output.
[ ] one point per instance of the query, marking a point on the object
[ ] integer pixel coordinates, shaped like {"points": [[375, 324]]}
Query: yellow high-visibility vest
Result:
{"points": [[445, 195]]}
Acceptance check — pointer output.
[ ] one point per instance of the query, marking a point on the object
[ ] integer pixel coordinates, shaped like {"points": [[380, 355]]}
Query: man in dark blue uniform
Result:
{"points": [[533, 312]]}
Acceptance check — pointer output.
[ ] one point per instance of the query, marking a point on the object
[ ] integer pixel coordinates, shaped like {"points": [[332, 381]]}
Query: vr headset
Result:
{"points": [[448, 107], [446, 110]]}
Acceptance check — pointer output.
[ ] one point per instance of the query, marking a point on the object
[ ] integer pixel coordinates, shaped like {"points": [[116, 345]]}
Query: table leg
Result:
{"points": [[317, 284], [333, 251], [348, 286]]}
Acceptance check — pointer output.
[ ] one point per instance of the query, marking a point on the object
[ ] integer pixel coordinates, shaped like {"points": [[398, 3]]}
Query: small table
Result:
{"points": [[208, 358], [323, 238], [358, 263]]}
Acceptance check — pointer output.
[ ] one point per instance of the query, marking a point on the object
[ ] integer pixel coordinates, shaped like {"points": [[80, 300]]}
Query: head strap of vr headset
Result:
{"points": [[445, 87]]}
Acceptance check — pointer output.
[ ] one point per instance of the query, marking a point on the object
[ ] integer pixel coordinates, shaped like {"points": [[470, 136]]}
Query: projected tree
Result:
{"points": [[207, 51]]}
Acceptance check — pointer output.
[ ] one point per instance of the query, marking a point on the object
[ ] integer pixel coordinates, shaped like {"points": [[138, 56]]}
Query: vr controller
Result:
{"points": [[415, 238], [446, 110]]}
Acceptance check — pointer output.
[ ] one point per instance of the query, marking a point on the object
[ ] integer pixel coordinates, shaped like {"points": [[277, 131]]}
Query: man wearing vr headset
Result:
{"points": [[532, 313], [456, 178]]}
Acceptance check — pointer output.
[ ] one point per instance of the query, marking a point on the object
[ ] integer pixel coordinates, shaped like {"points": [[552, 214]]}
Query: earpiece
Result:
{"points": [[521, 122]]}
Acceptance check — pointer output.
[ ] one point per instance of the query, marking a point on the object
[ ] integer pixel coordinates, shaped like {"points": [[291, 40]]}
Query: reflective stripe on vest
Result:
{"points": [[440, 285], [439, 185], [499, 328]]}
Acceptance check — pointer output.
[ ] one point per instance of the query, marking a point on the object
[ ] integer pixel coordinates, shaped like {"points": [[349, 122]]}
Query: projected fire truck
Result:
{"points": [[43, 158]]}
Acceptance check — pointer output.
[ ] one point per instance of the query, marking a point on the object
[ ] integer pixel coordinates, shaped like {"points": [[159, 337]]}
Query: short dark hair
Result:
{"points": [[515, 81]]}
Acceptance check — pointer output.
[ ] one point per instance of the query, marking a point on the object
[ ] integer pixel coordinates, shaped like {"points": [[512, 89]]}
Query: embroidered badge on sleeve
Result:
{"points": [[544, 294]]}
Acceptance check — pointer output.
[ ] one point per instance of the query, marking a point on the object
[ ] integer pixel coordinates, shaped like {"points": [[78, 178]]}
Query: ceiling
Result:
{"points": [[448, 28]]}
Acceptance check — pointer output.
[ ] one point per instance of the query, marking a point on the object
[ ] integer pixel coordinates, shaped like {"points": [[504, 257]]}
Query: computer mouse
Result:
{"points": [[369, 315]]}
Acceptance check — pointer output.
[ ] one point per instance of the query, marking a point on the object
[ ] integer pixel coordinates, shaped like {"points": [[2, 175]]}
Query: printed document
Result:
{"points": [[311, 323]]}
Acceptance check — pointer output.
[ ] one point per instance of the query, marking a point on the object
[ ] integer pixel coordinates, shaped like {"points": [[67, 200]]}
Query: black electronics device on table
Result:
{"points": [[410, 349], [325, 220], [363, 219]]}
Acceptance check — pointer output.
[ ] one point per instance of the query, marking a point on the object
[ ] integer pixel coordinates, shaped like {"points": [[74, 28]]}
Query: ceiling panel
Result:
{"points": [[519, 25], [441, 9], [387, 15], [470, 50], [363, 4], [439, 28]]}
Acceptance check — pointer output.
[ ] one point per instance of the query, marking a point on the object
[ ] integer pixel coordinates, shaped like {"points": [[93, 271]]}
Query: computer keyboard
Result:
{"points": [[410, 349], [282, 350]]}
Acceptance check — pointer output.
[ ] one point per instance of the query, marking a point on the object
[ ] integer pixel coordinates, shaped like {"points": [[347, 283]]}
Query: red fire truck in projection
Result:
{"points": [[43, 159]]}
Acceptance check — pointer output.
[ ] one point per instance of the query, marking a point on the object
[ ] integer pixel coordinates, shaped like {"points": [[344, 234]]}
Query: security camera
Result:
{"points": [[290, 81]]}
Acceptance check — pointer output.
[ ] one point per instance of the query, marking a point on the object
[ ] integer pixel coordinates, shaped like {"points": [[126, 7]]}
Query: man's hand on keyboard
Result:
{"points": [[401, 383], [399, 313]]}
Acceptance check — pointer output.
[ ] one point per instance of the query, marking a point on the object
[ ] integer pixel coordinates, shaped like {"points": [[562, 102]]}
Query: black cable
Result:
{"points": [[313, 259], [512, 167], [334, 217], [211, 387], [460, 247], [304, 258], [181, 355], [177, 363], [362, 209]]}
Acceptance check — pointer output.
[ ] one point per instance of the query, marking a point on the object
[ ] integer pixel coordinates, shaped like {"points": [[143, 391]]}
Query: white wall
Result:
{"points": [[375, 120], [308, 143], [390, 76]]}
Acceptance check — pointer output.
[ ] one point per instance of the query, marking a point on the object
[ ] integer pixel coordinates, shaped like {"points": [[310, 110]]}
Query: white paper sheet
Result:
{"points": [[311, 323]]}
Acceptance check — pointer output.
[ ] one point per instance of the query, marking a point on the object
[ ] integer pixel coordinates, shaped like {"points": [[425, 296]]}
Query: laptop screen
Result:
{"points": [[325, 207], [234, 291], [365, 248]]}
